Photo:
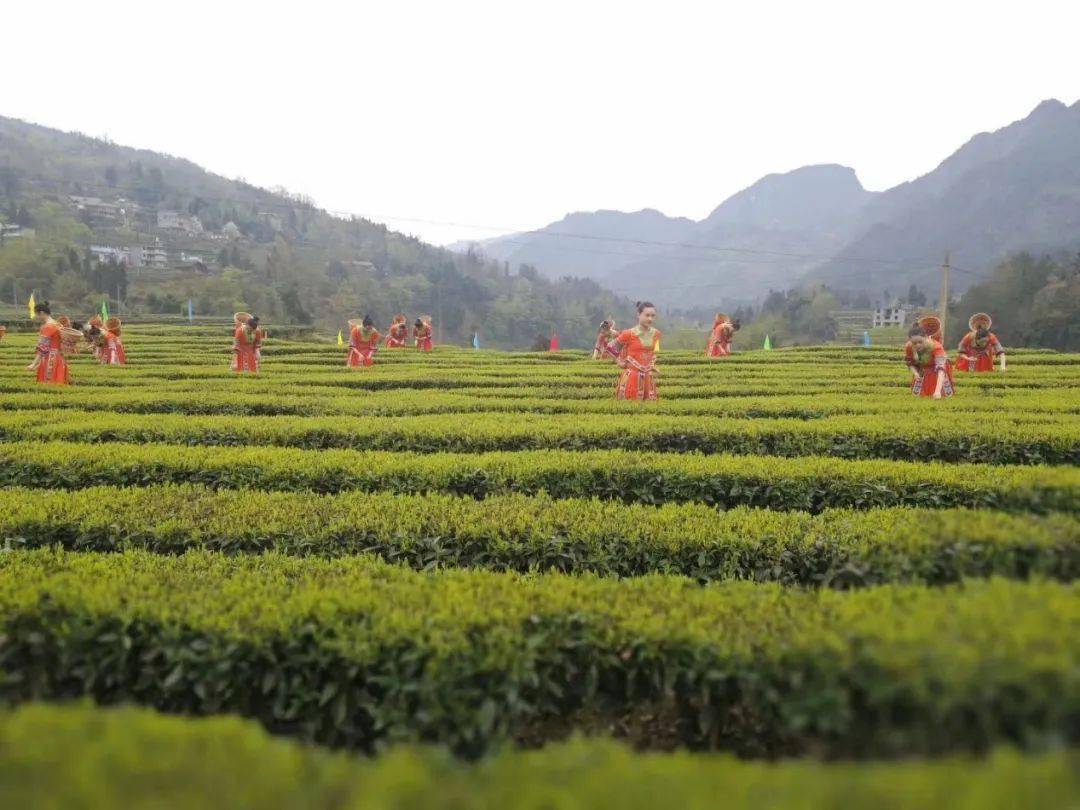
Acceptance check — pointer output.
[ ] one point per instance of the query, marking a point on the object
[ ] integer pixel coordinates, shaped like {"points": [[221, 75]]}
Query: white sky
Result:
{"points": [[510, 114]]}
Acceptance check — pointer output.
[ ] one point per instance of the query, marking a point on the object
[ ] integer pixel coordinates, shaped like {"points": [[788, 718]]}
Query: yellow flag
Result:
{"points": [[657, 349], [340, 339], [30, 304]]}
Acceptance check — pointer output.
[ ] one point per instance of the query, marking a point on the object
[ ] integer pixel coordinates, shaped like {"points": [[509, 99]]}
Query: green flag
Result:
{"points": [[105, 309], [768, 344]]}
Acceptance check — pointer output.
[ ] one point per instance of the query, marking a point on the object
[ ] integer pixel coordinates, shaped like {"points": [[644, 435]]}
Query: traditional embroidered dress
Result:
{"points": [[977, 354], [928, 365], [720, 340], [53, 368], [637, 358], [422, 336], [113, 352], [397, 335], [363, 343], [244, 359], [606, 348]]}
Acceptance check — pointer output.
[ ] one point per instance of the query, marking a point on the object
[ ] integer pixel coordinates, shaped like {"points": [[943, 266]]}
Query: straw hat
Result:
{"points": [[70, 339], [932, 325], [722, 318], [64, 320], [357, 322], [979, 319], [426, 319], [241, 318], [113, 324], [95, 320]]}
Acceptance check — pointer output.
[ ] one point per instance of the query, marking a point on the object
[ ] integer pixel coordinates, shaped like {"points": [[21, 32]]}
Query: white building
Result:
{"points": [[154, 256], [107, 253], [168, 219], [890, 316], [10, 231], [99, 209]]}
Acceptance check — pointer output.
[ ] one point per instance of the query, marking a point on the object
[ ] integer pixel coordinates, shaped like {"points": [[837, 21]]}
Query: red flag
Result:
{"points": [[554, 343]]}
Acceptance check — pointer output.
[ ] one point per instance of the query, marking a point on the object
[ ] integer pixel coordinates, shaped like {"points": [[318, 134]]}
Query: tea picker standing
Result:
{"points": [[637, 356]]}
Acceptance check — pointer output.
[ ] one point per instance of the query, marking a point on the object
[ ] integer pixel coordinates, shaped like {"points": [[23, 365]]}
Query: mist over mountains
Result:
{"points": [[1017, 188]]}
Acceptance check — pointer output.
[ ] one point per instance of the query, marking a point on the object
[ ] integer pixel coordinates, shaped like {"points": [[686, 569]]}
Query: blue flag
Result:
{"points": [[866, 339], [190, 311], [476, 340]]}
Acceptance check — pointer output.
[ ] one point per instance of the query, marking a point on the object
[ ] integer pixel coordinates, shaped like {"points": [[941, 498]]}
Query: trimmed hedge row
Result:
{"points": [[357, 652], [1023, 405], [1046, 439], [839, 548], [81, 756], [723, 481]]}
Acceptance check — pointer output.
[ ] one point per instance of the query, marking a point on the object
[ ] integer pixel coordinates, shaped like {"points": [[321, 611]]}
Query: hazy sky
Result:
{"points": [[510, 114]]}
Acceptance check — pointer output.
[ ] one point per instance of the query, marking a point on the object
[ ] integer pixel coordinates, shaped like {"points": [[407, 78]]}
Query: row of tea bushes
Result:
{"points": [[838, 548], [1049, 439], [79, 756], [357, 652], [814, 484]]}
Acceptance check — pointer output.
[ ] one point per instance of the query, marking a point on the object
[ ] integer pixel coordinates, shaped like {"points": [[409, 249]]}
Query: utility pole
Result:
{"points": [[944, 302]]}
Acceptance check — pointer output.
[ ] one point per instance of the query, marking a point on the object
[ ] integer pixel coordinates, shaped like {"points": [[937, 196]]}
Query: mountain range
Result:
{"points": [[1017, 188]]}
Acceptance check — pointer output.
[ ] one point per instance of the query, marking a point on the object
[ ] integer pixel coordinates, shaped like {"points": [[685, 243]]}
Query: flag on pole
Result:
{"points": [[476, 340], [657, 349], [31, 304], [340, 338], [554, 347], [768, 344], [866, 339], [105, 308], [190, 310]]}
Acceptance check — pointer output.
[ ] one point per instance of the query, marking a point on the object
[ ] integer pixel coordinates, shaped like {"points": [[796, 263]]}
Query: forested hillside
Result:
{"points": [[84, 218]]}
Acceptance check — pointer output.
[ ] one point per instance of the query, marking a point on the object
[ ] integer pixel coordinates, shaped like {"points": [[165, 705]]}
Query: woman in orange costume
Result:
{"points": [[363, 342], [422, 332], [926, 358], [114, 354], [637, 356], [398, 333], [605, 349], [724, 329], [980, 346], [243, 348], [49, 361]]}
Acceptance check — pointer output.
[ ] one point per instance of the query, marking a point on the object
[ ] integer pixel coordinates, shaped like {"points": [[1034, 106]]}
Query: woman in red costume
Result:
{"points": [[605, 349], [243, 349], [724, 329], [113, 353], [926, 358], [422, 333], [363, 343], [49, 361], [398, 333], [637, 357], [980, 346]]}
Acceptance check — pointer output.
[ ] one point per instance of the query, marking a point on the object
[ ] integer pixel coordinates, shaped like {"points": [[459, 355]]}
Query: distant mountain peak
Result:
{"points": [[1048, 105]]}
